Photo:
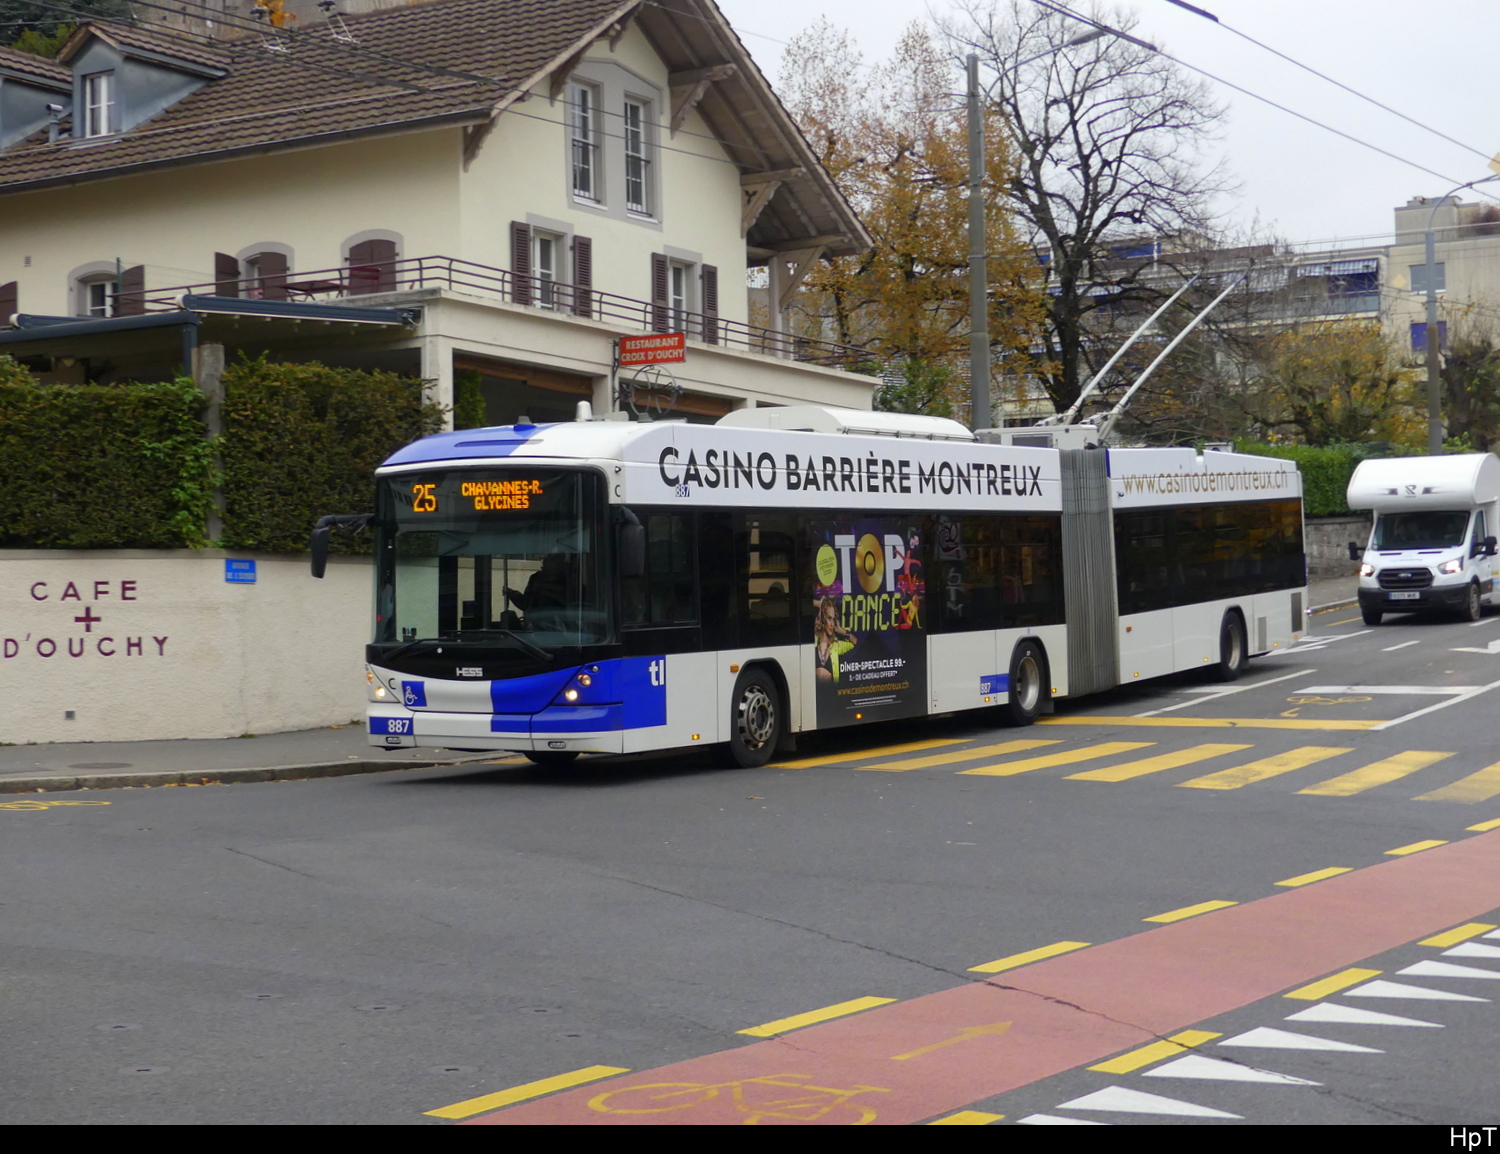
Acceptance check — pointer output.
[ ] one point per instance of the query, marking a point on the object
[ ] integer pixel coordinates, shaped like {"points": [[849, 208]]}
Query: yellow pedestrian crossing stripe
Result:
{"points": [[958, 755], [1376, 773], [937, 753], [1266, 768], [1067, 757], [1161, 761], [1479, 786]]}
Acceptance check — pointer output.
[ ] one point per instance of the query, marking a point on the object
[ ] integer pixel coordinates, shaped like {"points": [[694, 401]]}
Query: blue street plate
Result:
{"points": [[395, 725]]}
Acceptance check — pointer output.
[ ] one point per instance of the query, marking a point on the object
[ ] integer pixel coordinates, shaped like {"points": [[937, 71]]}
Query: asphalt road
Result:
{"points": [[376, 949]]}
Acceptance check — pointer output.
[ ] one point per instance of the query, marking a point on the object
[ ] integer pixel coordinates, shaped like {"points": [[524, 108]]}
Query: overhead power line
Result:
{"points": [[1165, 55], [1324, 76]]}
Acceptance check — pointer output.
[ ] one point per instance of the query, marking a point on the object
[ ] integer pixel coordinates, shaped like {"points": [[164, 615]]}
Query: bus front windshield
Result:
{"points": [[509, 556], [1424, 529]]}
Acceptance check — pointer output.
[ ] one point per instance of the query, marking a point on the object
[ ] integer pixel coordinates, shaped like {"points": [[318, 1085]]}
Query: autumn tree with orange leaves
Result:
{"points": [[893, 137]]}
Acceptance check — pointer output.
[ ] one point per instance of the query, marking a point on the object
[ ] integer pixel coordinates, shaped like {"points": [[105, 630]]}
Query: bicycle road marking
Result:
{"points": [[676, 1096]]}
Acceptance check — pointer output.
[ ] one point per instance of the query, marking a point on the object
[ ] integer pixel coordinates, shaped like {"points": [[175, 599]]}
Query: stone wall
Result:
{"points": [[1327, 541], [131, 645]]}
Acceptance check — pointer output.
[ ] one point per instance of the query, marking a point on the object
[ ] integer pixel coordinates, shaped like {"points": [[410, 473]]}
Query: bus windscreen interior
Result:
{"points": [[474, 556]]}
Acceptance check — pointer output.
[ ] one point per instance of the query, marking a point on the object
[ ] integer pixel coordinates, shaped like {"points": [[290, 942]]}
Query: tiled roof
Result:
{"points": [[29, 65], [321, 87], [152, 40]]}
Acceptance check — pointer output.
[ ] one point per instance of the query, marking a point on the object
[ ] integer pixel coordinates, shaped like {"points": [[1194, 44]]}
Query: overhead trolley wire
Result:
{"points": [[1324, 76], [1091, 22]]}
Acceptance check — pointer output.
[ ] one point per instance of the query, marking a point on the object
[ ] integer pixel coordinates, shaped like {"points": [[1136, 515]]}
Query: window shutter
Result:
{"points": [[660, 312], [710, 304], [273, 270], [372, 267], [9, 302], [131, 301], [583, 277], [520, 262], [226, 275]]}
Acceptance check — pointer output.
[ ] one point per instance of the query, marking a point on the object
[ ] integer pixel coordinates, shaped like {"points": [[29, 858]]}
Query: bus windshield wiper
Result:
{"points": [[529, 647]]}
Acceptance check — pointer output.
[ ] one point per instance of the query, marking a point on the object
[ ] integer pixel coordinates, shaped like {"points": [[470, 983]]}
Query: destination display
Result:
{"points": [[452, 495]]}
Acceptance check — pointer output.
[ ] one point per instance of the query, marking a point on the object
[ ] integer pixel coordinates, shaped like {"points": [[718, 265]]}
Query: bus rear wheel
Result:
{"points": [[1233, 652], [1028, 684], [756, 720], [551, 758]]}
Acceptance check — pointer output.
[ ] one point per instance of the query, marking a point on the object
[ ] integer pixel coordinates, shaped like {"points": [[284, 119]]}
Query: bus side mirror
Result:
{"points": [[1354, 553], [323, 528]]}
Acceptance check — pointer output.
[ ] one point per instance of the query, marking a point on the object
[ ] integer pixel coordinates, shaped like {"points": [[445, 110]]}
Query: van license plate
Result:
{"points": [[1406, 596]]}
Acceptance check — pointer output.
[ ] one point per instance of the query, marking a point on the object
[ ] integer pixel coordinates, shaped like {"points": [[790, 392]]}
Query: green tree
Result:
{"points": [[20, 17], [1336, 383], [1471, 389]]}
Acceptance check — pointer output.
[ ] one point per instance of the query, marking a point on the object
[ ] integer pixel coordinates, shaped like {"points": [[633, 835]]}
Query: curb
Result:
{"points": [[56, 783], [1345, 604]]}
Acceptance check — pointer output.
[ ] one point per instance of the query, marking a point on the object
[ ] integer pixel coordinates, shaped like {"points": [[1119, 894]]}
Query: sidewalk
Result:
{"points": [[1332, 592], [331, 752]]}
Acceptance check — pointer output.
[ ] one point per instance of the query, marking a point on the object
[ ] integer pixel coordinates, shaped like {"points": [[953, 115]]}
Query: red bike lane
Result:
{"points": [[913, 1060]]}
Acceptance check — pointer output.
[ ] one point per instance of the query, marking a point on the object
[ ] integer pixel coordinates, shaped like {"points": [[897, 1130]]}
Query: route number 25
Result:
{"points": [[424, 499]]}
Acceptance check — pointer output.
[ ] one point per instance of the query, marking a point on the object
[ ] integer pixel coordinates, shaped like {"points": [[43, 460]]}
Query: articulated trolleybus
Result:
{"points": [[604, 586]]}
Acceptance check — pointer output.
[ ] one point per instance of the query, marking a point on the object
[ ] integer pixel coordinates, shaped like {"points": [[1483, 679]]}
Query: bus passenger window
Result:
{"points": [[666, 595], [766, 547]]}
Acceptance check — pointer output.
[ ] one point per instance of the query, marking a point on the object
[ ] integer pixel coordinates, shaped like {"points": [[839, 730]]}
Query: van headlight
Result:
{"points": [[1367, 570], [1453, 566]]}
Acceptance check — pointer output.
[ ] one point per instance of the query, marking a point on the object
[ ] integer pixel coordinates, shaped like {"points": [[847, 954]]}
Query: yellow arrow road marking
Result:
{"points": [[962, 1036]]}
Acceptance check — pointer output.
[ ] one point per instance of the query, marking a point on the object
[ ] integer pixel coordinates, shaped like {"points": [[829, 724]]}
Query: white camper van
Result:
{"points": [[1432, 545]]}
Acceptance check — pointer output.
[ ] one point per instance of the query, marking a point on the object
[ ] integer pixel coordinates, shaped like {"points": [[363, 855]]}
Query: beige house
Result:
{"points": [[500, 186]]}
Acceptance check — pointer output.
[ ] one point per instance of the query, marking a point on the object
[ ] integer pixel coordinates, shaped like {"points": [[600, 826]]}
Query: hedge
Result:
{"points": [[303, 440], [1326, 470], [102, 466]]}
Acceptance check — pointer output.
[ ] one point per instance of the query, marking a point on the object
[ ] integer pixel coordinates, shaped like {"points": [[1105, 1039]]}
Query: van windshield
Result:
{"points": [[1427, 529]]}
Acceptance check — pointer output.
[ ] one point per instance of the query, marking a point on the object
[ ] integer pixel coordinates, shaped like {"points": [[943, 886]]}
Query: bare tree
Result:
{"points": [[1109, 139]]}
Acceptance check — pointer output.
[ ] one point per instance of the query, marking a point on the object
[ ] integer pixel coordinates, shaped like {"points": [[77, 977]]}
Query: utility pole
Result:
{"points": [[979, 305], [1434, 396]]}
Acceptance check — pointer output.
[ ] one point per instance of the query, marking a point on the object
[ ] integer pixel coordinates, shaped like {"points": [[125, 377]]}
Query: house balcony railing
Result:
{"points": [[351, 282]]}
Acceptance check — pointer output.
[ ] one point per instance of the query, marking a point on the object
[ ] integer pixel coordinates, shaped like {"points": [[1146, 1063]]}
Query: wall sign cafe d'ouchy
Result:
{"points": [[80, 628]]}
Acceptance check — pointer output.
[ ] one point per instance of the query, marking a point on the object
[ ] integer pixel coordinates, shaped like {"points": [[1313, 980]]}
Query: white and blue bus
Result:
{"points": [[605, 586]]}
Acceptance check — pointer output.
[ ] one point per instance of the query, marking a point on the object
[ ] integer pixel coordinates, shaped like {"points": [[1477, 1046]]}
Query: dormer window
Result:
{"points": [[98, 103]]}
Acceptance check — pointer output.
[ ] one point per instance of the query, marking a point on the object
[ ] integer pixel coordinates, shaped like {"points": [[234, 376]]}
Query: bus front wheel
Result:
{"points": [[1233, 652], [1027, 685], [756, 719]]}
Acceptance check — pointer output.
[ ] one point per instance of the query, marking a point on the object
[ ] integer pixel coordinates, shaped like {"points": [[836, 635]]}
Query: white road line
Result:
{"points": [[1403, 645], [1225, 693], [1351, 1016], [1268, 1038], [1402, 690], [1384, 989], [1122, 1100], [1434, 708], [1218, 1070], [1448, 970], [1325, 639], [1484, 621], [1491, 649]]}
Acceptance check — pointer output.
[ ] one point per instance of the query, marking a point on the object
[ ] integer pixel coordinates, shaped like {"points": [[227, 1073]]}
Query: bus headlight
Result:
{"points": [[571, 694], [585, 680], [1454, 566], [1367, 570], [380, 691]]}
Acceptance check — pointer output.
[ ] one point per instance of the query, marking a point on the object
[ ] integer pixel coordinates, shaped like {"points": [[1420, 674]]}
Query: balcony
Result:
{"points": [[351, 284]]}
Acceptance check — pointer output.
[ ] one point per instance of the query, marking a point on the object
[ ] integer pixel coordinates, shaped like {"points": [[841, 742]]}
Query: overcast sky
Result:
{"points": [[1434, 61]]}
